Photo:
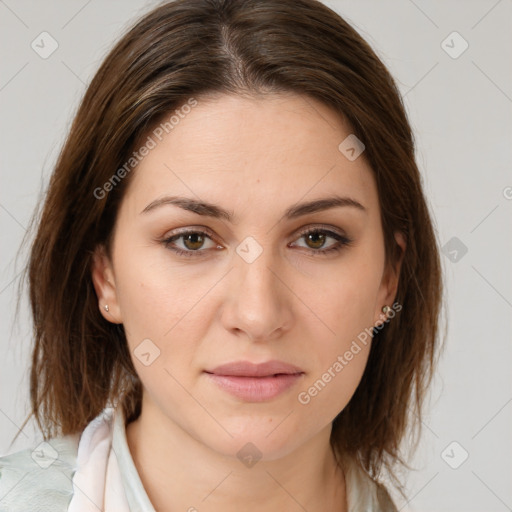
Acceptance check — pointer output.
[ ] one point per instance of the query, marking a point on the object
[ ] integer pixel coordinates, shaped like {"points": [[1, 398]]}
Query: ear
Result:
{"points": [[105, 285], [389, 284]]}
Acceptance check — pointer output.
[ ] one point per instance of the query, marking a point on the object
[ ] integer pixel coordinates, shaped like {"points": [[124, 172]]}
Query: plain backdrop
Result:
{"points": [[452, 61]]}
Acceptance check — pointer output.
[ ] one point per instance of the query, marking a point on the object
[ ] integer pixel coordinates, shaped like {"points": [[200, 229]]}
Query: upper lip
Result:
{"points": [[248, 369]]}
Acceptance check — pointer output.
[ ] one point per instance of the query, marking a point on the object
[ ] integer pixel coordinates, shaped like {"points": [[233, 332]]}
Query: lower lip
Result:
{"points": [[255, 389]]}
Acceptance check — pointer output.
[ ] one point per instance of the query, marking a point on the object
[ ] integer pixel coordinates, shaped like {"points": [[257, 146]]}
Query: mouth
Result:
{"points": [[255, 382], [248, 369]]}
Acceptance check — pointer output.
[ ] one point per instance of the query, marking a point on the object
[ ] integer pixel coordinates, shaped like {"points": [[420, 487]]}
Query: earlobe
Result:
{"points": [[391, 278], [102, 275]]}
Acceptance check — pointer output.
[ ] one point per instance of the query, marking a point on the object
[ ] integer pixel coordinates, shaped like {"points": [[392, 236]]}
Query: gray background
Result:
{"points": [[460, 109]]}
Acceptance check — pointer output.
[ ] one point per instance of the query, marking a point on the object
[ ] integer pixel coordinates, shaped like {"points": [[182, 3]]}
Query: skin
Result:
{"points": [[255, 157]]}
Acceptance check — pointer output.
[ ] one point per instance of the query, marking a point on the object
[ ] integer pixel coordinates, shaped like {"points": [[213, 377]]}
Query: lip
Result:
{"points": [[255, 382], [248, 369]]}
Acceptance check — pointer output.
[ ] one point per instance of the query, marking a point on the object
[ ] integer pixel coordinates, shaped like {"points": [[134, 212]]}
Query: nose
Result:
{"points": [[258, 303]]}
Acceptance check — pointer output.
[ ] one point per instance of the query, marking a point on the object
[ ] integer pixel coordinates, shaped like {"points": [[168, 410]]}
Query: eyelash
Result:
{"points": [[343, 241]]}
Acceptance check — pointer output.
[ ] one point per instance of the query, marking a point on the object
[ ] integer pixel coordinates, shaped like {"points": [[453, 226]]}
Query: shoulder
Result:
{"points": [[383, 499], [364, 493], [39, 478]]}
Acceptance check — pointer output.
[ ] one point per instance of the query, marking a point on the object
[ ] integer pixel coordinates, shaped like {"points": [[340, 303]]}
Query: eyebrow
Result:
{"points": [[211, 210]]}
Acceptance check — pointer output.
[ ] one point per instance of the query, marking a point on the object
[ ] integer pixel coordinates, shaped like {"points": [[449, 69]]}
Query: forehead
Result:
{"points": [[246, 149]]}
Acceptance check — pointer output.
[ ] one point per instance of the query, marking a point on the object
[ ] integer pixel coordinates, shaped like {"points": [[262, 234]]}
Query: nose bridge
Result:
{"points": [[256, 275], [258, 303]]}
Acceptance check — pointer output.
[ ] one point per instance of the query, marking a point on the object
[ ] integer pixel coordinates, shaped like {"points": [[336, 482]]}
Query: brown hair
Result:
{"points": [[189, 48]]}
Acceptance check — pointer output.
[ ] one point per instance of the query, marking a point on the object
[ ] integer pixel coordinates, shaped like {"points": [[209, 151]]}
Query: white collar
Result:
{"points": [[106, 477]]}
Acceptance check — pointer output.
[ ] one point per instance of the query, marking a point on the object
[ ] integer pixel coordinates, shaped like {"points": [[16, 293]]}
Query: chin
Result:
{"points": [[250, 443]]}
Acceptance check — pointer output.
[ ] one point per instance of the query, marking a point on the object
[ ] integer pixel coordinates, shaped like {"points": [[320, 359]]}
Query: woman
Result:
{"points": [[235, 281]]}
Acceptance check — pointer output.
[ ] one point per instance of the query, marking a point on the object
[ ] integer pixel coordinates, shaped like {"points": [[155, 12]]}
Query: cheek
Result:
{"points": [[153, 294], [346, 303], [330, 387], [345, 306], [162, 306]]}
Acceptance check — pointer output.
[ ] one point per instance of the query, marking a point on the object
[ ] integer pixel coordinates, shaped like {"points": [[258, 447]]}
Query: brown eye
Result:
{"points": [[315, 239], [193, 241], [190, 243]]}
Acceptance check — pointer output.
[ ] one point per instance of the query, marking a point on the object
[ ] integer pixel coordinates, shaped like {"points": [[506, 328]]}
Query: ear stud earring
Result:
{"points": [[106, 307], [386, 310]]}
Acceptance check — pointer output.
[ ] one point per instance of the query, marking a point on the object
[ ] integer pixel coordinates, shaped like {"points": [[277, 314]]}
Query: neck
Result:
{"points": [[178, 472]]}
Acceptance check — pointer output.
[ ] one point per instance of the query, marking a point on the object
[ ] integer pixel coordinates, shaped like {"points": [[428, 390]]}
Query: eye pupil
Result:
{"points": [[317, 238], [196, 239]]}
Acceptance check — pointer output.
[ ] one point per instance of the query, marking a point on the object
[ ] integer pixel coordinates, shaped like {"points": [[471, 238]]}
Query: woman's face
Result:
{"points": [[251, 282]]}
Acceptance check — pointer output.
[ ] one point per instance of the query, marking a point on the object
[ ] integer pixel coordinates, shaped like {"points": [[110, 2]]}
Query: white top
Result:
{"points": [[95, 471]]}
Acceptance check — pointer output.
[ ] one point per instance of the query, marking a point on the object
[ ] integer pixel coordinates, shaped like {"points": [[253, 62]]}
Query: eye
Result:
{"points": [[198, 242], [192, 242], [316, 240]]}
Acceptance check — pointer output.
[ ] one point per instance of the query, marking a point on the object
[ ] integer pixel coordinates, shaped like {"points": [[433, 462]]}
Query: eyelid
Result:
{"points": [[300, 232], [191, 229], [339, 235], [321, 227], [342, 240]]}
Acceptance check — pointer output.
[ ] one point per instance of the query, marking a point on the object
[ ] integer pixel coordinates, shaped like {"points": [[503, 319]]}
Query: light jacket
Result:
{"points": [[94, 471]]}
